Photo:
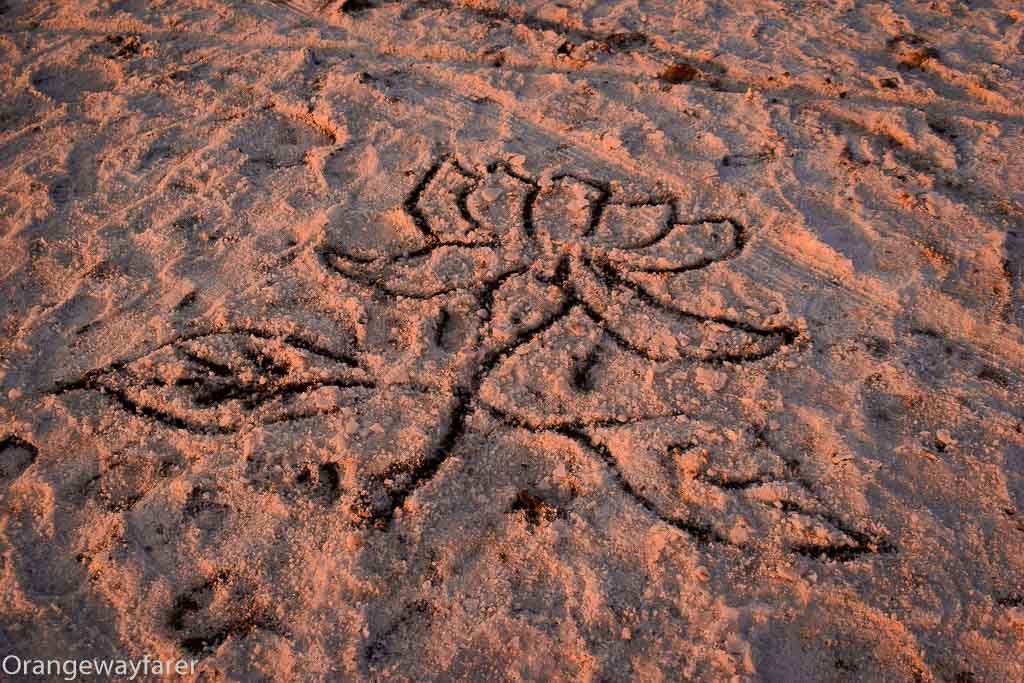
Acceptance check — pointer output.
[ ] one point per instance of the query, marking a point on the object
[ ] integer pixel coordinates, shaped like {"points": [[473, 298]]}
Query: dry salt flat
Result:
{"points": [[473, 339]]}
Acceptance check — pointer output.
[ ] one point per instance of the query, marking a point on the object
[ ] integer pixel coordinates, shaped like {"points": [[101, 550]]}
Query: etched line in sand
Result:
{"points": [[487, 235], [219, 382], [217, 609], [587, 271]]}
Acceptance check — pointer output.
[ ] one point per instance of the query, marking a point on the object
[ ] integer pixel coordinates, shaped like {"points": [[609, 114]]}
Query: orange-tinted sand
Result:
{"points": [[490, 340]]}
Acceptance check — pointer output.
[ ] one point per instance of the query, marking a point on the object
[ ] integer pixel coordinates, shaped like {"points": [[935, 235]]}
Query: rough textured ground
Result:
{"points": [[483, 340]]}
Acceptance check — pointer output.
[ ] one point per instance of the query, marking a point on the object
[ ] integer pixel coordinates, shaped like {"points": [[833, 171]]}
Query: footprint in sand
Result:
{"points": [[71, 83]]}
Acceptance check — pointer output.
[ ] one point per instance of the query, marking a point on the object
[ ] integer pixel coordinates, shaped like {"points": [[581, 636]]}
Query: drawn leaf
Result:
{"points": [[735, 487], [217, 383]]}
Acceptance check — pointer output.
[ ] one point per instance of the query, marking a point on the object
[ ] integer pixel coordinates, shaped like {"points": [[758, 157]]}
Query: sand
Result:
{"points": [[485, 340]]}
